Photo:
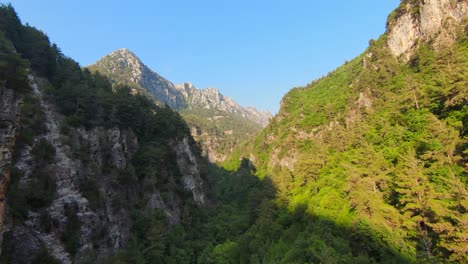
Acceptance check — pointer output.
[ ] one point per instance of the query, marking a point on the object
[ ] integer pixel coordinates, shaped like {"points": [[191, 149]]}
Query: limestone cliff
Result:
{"points": [[426, 20]]}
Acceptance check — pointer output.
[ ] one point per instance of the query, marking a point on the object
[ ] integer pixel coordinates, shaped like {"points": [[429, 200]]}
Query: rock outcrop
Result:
{"points": [[424, 20], [188, 166]]}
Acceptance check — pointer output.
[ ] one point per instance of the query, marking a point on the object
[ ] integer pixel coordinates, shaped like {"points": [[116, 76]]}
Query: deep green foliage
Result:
{"points": [[71, 235], [388, 163], [366, 165], [223, 131], [86, 101], [43, 151], [43, 257]]}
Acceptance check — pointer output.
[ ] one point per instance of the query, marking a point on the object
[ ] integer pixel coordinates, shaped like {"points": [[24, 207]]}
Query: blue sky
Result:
{"points": [[253, 51]]}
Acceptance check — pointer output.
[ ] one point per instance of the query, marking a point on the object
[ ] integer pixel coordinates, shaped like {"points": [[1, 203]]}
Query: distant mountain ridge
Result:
{"points": [[123, 66], [211, 98]]}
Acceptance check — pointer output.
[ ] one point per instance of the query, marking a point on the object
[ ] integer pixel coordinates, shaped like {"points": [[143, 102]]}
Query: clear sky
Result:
{"points": [[251, 50]]}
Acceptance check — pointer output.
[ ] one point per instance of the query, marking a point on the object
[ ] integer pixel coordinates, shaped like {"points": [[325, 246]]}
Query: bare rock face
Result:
{"points": [[188, 166], [424, 21], [68, 172], [9, 125]]}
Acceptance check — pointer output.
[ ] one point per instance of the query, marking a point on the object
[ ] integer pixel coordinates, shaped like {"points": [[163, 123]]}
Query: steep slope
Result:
{"points": [[365, 165], [124, 67], [379, 145], [217, 122], [85, 169]]}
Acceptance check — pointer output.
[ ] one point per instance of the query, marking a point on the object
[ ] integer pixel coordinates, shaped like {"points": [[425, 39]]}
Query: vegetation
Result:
{"points": [[218, 129], [365, 165], [388, 163]]}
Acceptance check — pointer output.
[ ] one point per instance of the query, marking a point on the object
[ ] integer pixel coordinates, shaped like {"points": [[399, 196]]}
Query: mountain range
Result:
{"points": [[111, 163], [217, 121]]}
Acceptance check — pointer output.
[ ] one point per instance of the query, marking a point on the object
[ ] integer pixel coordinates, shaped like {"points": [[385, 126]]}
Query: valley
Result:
{"points": [[113, 163]]}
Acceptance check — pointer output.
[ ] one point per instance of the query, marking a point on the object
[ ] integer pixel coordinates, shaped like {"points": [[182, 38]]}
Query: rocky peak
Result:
{"points": [[424, 20], [123, 60], [124, 67], [211, 98]]}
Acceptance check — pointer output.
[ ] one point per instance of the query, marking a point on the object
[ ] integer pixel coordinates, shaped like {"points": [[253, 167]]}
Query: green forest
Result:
{"points": [[365, 165]]}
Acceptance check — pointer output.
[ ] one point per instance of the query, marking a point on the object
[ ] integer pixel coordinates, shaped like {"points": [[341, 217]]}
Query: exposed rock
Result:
{"points": [[65, 173], [402, 37], [287, 160], [364, 101], [172, 212], [118, 157], [127, 68], [104, 225], [210, 143], [188, 166], [426, 24], [211, 98]]}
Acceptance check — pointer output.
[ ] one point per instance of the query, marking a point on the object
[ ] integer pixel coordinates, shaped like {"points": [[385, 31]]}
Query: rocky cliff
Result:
{"points": [[87, 208], [83, 167], [424, 21]]}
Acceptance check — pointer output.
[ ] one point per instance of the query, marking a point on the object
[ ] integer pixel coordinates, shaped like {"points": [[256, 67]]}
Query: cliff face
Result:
{"points": [[88, 209], [415, 20]]}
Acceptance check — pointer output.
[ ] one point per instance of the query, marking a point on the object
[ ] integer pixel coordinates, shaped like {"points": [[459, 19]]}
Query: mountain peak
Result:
{"points": [[124, 67], [123, 54], [124, 51]]}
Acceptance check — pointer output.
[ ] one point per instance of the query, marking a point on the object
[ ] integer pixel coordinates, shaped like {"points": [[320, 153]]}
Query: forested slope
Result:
{"points": [[365, 165], [377, 147], [85, 171]]}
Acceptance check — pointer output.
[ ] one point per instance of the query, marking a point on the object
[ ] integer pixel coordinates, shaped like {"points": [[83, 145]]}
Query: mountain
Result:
{"points": [[377, 147], [217, 121], [212, 99], [365, 165], [85, 170], [126, 68]]}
